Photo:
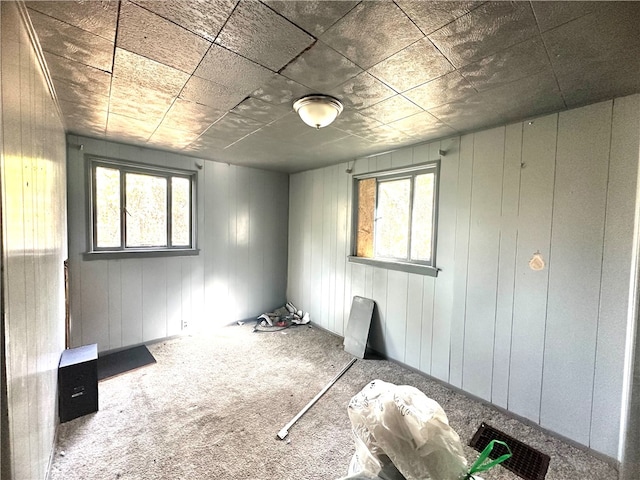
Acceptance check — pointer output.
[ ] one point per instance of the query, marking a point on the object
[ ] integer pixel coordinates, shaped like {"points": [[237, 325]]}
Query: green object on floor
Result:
{"points": [[481, 466]]}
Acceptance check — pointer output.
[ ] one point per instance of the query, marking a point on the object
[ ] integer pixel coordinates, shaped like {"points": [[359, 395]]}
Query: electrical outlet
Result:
{"points": [[185, 324]]}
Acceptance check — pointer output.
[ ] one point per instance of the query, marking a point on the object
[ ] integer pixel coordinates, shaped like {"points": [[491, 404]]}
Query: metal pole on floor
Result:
{"points": [[285, 430]]}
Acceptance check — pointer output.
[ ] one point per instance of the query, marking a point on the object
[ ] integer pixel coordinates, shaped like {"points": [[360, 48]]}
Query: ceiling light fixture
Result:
{"points": [[318, 110]]}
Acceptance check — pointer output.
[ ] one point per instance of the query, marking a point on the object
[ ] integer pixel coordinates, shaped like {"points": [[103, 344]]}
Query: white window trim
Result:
{"points": [[417, 267], [94, 253]]}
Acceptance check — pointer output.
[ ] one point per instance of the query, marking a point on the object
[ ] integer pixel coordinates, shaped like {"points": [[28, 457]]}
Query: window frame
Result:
{"points": [[124, 167], [411, 266]]}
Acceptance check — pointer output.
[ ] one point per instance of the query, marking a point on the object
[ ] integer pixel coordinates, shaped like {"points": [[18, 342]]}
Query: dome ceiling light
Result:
{"points": [[318, 110]]}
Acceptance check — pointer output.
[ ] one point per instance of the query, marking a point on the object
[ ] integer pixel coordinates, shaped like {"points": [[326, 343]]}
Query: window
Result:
{"points": [[141, 209], [395, 218]]}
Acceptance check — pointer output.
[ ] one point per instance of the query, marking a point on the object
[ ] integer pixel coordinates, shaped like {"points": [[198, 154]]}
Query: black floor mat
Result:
{"points": [[526, 462], [123, 361]]}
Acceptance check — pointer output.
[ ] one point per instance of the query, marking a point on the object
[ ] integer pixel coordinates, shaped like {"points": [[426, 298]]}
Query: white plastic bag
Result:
{"points": [[401, 426]]}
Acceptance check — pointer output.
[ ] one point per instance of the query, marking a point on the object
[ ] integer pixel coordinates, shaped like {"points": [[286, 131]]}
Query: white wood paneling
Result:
{"points": [[34, 247], [95, 302], [325, 260], [445, 259], [484, 248], [396, 315], [461, 254], [317, 227], [427, 327], [333, 247], [546, 344], [530, 288], [618, 241], [342, 296], [256, 247], [379, 292], [413, 340], [307, 243], [131, 295], [575, 270], [173, 306], [295, 263], [185, 294], [154, 299], [506, 264], [240, 271], [115, 305]]}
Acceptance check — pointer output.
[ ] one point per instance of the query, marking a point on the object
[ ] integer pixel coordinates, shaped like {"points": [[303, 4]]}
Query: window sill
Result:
{"points": [[400, 266], [116, 255]]}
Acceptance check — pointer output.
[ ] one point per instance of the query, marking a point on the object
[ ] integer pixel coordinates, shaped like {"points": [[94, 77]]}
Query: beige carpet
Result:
{"points": [[210, 408]]}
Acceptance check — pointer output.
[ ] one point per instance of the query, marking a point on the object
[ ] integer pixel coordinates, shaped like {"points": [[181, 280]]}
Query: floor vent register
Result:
{"points": [[526, 462]]}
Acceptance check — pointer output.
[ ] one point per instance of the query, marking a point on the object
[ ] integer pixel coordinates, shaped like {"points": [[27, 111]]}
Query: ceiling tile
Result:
{"points": [[467, 114], [151, 36], [78, 75], [321, 68], [209, 146], [388, 30], [590, 70], [318, 138], [175, 139], [77, 94], [362, 92], [590, 52], [231, 128], [413, 66], [313, 16], [261, 111], [147, 73], [432, 15], [258, 33], [448, 88], [344, 148], [72, 42], [202, 17], [355, 123], [423, 125], [129, 129], [386, 136], [229, 69], [190, 116], [258, 152], [286, 128], [137, 101], [99, 18], [88, 116], [516, 62], [486, 30], [602, 82], [531, 96], [211, 94], [392, 109], [550, 14], [278, 90]]}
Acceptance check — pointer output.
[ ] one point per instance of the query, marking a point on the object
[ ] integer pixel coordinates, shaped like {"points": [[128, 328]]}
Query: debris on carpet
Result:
{"points": [[284, 317]]}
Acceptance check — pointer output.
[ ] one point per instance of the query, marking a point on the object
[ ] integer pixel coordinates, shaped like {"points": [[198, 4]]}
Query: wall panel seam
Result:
{"points": [[550, 263], [515, 265], [602, 254]]}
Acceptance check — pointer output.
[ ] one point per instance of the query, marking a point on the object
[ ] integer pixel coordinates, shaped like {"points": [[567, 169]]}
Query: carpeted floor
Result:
{"points": [[210, 408]]}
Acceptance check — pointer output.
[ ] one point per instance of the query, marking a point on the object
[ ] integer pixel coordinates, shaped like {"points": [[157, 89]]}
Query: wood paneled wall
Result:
{"points": [[546, 345], [240, 271], [34, 247]]}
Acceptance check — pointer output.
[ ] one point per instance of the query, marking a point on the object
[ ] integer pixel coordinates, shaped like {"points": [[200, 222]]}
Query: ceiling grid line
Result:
{"points": [[217, 80]]}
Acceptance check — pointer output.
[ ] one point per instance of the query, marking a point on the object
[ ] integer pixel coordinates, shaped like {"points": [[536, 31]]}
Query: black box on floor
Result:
{"points": [[78, 382]]}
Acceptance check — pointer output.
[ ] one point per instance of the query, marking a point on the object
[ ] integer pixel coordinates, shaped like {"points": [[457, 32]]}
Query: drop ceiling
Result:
{"points": [[217, 79]]}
